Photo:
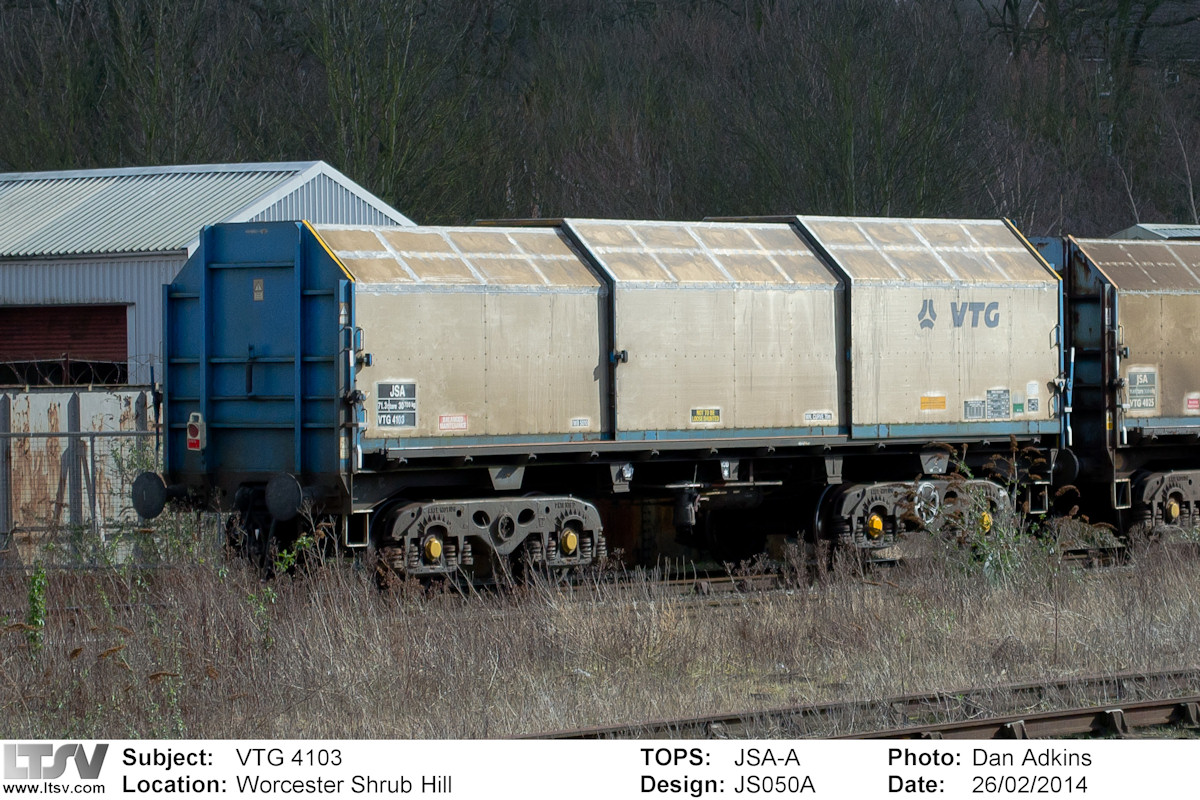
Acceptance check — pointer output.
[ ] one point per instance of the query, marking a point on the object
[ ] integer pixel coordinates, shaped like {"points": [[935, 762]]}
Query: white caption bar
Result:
{"points": [[434, 770]]}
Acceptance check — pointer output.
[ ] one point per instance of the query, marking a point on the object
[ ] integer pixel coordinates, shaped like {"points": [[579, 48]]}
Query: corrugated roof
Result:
{"points": [[884, 250], [1159, 230], [145, 209]]}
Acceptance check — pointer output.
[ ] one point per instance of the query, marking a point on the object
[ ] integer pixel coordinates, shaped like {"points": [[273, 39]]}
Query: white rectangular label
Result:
{"points": [[998, 404], [581, 422], [652, 769]]}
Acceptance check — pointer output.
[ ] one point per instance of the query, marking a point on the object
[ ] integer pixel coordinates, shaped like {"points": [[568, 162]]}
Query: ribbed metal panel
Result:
{"points": [[160, 209], [1152, 230], [121, 213], [133, 282], [324, 200]]}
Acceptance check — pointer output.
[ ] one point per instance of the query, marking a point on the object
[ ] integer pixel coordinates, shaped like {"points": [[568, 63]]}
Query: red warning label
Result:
{"points": [[452, 422]]}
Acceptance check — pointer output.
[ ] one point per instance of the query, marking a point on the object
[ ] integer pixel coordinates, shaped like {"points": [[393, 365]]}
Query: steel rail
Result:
{"points": [[1115, 720], [1118, 690]]}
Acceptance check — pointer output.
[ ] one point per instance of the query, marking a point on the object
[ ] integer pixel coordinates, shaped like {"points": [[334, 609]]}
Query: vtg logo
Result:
{"points": [[958, 314], [33, 765], [927, 315]]}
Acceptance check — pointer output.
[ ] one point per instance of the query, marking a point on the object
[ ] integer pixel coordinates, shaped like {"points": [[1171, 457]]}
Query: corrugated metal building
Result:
{"points": [[1159, 230], [84, 255]]}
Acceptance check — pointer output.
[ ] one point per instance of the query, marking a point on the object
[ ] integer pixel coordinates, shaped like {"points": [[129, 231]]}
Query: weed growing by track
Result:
{"points": [[204, 648]]}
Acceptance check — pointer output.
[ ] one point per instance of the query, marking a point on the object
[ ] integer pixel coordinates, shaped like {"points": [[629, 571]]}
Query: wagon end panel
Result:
{"points": [[254, 324], [1150, 338]]}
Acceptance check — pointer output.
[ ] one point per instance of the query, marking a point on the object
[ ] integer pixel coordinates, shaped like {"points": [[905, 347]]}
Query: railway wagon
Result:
{"points": [[1134, 333], [955, 337], [466, 397]]}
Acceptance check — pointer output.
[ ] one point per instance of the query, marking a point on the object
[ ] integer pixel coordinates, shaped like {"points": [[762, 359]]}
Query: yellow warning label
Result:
{"points": [[933, 402], [705, 416]]}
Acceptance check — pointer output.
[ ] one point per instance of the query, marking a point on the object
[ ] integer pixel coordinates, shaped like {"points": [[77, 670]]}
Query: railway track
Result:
{"points": [[702, 588], [695, 589], [1028, 710], [700, 585], [713, 588], [1105, 719], [715, 581]]}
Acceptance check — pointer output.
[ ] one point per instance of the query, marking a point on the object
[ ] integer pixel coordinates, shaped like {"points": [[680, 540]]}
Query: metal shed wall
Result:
{"points": [[324, 200], [131, 281]]}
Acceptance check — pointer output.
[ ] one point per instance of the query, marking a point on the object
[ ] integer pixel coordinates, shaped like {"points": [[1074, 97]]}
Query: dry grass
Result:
{"points": [[209, 651]]}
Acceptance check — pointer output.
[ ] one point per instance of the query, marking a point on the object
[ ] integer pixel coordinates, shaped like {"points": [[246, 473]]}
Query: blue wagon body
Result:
{"points": [[258, 325]]}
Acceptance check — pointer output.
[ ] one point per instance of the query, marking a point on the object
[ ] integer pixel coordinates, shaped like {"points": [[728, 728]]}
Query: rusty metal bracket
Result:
{"points": [[1114, 721], [715, 730], [1016, 730]]}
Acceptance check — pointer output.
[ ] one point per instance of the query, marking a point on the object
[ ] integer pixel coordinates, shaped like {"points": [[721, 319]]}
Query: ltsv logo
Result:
{"points": [[29, 761], [958, 314]]}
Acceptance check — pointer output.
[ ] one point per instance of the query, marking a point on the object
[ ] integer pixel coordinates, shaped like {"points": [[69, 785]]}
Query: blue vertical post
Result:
{"points": [[205, 333], [344, 372], [298, 349], [6, 500], [162, 422]]}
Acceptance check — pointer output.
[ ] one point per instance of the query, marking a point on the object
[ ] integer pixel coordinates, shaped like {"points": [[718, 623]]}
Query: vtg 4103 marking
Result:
{"points": [[927, 316]]}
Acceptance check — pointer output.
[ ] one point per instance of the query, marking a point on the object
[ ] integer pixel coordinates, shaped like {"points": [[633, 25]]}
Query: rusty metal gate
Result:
{"points": [[67, 460]]}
